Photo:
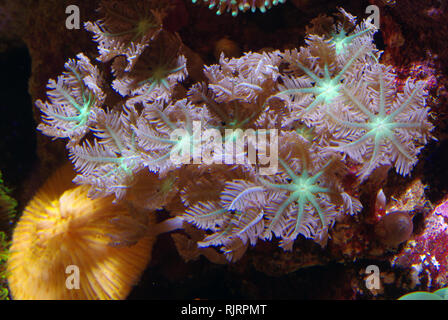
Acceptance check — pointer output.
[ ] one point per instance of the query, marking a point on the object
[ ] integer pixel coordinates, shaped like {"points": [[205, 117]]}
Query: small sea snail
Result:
{"points": [[394, 228]]}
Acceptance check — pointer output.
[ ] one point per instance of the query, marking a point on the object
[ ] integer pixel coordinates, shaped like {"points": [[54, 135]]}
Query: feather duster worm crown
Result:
{"points": [[61, 228], [336, 109]]}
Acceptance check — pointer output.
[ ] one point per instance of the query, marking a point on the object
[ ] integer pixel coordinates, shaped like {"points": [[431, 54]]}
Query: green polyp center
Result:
{"points": [[329, 90], [340, 40], [303, 186], [143, 26], [125, 167], [157, 77], [84, 112], [380, 125], [159, 73], [236, 134]]}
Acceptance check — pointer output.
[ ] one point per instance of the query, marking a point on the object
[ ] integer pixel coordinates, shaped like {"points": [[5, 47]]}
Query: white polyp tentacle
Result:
{"points": [[169, 225]]}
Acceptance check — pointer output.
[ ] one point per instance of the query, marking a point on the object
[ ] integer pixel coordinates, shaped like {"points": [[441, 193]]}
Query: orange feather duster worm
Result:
{"points": [[62, 231]]}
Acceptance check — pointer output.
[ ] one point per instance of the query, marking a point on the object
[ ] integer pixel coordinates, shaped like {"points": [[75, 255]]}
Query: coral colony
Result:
{"points": [[302, 120], [234, 6]]}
